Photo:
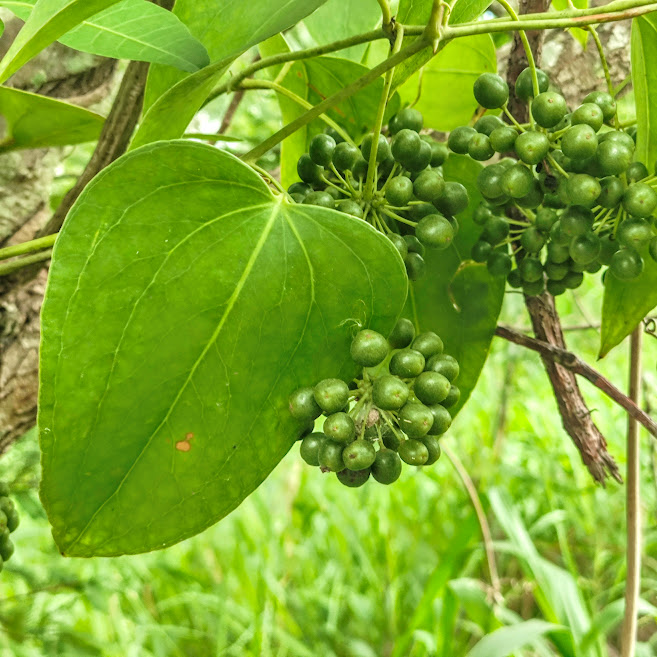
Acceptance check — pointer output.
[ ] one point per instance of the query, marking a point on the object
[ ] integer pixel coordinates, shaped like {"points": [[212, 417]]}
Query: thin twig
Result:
{"points": [[571, 362], [633, 506]]}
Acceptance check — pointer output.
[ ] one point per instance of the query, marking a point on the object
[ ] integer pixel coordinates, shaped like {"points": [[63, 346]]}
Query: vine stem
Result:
{"points": [[28, 247], [633, 506], [571, 362], [481, 517], [348, 91], [15, 265], [386, 14], [378, 122], [279, 89]]}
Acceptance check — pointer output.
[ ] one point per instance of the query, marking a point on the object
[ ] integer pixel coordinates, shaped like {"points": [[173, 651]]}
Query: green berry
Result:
{"points": [[400, 244], [584, 249], [579, 142], [321, 149], [359, 455], [487, 123], [532, 240], [608, 247], [549, 108], [531, 270], [481, 214], [496, 230], [583, 190], [640, 200], [652, 248], [433, 447], [636, 171], [499, 264], [503, 139], [532, 147], [556, 271], [301, 188], [416, 267], [389, 393], [525, 85], [387, 466], [383, 150], [6, 550], [407, 363], [459, 139], [345, 156], [340, 428], [428, 344], [611, 192], [399, 191], [408, 119], [353, 478], [626, 264], [444, 364], [350, 207], [439, 153], [414, 244], [453, 200], [321, 199], [390, 439], [421, 158], [604, 101], [573, 279], [435, 231], [576, 221], [480, 148], [545, 219], [308, 171], [402, 335], [303, 406], [517, 181], [588, 114], [331, 395], [491, 91], [442, 420], [431, 388], [558, 253], [309, 448], [413, 452], [556, 288], [634, 233], [369, 348], [613, 158], [428, 186], [489, 183], [513, 279], [481, 251], [330, 456]]}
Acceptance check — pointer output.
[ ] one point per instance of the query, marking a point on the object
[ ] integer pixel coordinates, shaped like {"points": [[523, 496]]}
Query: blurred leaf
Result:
{"points": [[227, 28], [47, 22], [218, 300], [467, 328], [627, 303], [341, 19], [35, 121], [131, 29], [455, 68], [507, 640]]}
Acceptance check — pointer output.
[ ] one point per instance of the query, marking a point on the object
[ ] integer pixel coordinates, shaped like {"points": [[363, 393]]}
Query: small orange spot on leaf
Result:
{"points": [[183, 446], [189, 436]]}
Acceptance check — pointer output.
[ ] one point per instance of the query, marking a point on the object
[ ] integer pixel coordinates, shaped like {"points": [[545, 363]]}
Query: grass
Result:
{"points": [[305, 567]]}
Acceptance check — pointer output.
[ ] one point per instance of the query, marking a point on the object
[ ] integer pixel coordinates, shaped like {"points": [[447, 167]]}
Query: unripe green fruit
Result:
{"points": [[340, 428], [532, 240], [433, 447], [491, 91], [533, 289], [573, 279], [549, 108], [442, 420], [481, 214], [579, 142], [608, 248], [481, 251], [369, 348], [652, 248], [545, 219], [321, 149], [353, 478], [301, 188], [604, 101], [407, 363], [532, 147], [416, 267], [345, 156], [517, 181], [626, 264], [415, 419], [525, 84], [330, 456], [636, 171], [459, 139], [421, 158], [503, 139], [618, 137], [413, 452], [431, 388], [303, 406], [611, 192], [530, 269], [588, 114], [407, 118], [576, 221], [331, 395], [400, 244], [555, 288], [321, 199], [386, 467], [359, 455], [489, 181], [439, 153], [350, 207], [308, 171], [383, 150], [399, 191], [309, 448], [414, 244], [389, 393], [428, 186], [402, 335], [496, 230], [453, 200], [583, 190], [480, 148], [499, 264], [613, 158], [556, 272], [488, 123], [634, 233], [428, 344], [640, 200], [435, 231], [584, 249], [444, 364]]}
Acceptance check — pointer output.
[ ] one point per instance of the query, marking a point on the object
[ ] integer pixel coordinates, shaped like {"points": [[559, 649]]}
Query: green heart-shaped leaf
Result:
{"points": [[185, 303]]}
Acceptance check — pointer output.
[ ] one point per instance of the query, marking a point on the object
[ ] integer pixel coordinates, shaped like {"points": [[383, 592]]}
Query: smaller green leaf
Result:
{"points": [[507, 640], [131, 29], [47, 22], [35, 121], [455, 68], [644, 79], [465, 11]]}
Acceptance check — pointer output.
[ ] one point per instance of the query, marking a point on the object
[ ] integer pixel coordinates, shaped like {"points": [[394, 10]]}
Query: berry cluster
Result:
{"points": [[395, 411], [579, 200], [8, 523], [410, 202]]}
